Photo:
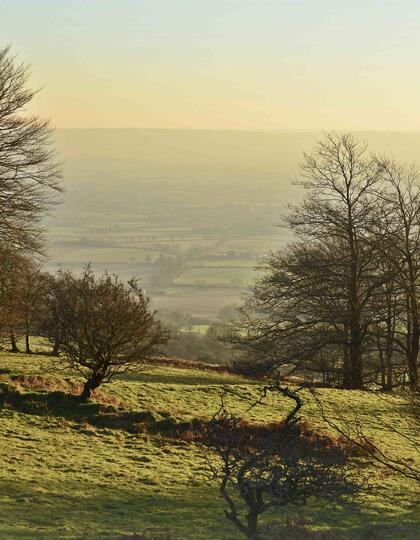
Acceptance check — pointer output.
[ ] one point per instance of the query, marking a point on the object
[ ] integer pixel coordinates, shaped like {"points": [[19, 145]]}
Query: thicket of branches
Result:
{"points": [[29, 171], [342, 299], [263, 467], [104, 327]]}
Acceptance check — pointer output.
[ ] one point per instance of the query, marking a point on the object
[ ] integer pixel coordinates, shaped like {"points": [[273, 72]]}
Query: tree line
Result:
{"points": [[342, 299]]}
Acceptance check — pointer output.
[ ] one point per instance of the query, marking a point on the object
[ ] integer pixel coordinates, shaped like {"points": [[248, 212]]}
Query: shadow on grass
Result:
{"points": [[70, 407], [191, 513]]}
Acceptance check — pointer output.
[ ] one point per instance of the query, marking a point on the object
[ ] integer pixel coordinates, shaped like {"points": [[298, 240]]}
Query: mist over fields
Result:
{"points": [[188, 212]]}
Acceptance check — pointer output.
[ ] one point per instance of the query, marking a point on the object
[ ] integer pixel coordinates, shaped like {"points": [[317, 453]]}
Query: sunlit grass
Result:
{"points": [[64, 477]]}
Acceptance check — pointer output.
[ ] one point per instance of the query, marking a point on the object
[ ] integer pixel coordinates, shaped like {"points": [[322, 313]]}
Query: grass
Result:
{"points": [[196, 329], [67, 475]]}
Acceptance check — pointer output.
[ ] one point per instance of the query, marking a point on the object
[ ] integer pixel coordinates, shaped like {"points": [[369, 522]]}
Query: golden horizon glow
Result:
{"points": [[225, 64]]}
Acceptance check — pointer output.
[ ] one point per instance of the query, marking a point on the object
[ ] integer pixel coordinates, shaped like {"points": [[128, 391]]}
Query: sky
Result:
{"points": [[221, 64]]}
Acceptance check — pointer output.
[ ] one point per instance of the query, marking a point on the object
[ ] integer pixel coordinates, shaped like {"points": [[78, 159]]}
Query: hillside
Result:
{"points": [[109, 468]]}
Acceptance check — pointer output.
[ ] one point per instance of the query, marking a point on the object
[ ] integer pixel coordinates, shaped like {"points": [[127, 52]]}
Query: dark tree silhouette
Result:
{"points": [[29, 171], [105, 327], [272, 466]]}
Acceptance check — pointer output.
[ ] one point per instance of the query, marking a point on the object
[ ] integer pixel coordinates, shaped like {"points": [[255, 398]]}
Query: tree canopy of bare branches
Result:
{"points": [[272, 467], [29, 171], [343, 297], [105, 327]]}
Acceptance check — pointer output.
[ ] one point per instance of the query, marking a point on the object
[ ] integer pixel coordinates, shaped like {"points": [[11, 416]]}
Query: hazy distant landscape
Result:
{"points": [[189, 213], [209, 270]]}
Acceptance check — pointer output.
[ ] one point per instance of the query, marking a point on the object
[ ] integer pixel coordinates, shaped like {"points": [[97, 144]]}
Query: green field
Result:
{"points": [[88, 471]]}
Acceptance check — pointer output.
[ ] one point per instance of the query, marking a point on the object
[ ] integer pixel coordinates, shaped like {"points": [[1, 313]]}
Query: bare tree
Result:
{"points": [[340, 178], [319, 296], [51, 318], [400, 230], [11, 264], [106, 327], [272, 466], [33, 289], [29, 171]]}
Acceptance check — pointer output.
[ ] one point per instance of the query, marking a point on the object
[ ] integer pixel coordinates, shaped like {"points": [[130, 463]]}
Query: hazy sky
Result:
{"points": [[239, 64]]}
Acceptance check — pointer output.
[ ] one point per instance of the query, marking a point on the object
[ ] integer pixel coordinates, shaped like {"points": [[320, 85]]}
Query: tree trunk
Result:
{"points": [[91, 384], [414, 335], [14, 347], [382, 367], [356, 356], [353, 372], [390, 332], [27, 332], [413, 355], [354, 379], [27, 343], [346, 361], [56, 347], [252, 522]]}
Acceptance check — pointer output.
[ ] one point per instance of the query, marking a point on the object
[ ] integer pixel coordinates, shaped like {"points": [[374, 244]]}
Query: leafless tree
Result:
{"points": [[318, 297], [32, 294], [11, 265], [29, 171], [400, 232], [51, 318], [340, 178], [106, 327], [272, 466]]}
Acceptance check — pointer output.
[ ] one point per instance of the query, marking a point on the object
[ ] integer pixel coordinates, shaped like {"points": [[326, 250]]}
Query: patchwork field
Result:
{"points": [[93, 471]]}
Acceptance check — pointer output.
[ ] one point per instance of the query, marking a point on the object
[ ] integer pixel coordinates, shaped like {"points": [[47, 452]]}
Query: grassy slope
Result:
{"points": [[63, 478]]}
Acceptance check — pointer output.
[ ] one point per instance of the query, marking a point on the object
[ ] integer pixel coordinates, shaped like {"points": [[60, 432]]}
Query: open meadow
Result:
{"points": [[112, 466]]}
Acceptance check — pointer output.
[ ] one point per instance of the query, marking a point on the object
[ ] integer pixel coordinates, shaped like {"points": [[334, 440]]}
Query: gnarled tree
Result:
{"points": [[273, 466], [105, 326]]}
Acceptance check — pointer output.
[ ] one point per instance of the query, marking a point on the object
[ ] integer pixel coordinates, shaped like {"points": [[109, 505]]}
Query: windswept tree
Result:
{"points": [[263, 467], [106, 327], [29, 171]]}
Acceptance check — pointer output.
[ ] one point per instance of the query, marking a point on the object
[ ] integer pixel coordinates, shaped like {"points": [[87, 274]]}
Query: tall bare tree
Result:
{"points": [[319, 294], [400, 229], [340, 178], [29, 171]]}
